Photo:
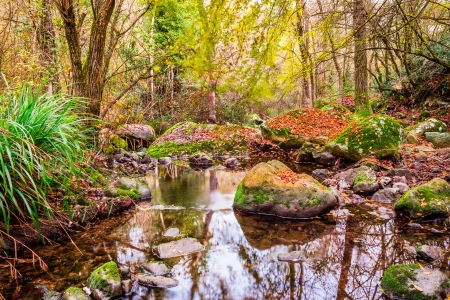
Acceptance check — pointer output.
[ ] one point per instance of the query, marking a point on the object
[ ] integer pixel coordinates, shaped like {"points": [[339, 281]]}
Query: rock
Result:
{"points": [[417, 166], [440, 140], [399, 172], [138, 135], [385, 196], [384, 181], [343, 184], [158, 268], [127, 285], [133, 156], [430, 199], [172, 231], [370, 164], [349, 176], [400, 187], [324, 158], [232, 163], [110, 192], [144, 192], [164, 161], [430, 125], [404, 281], [157, 281], [430, 252], [179, 248], [114, 143], [254, 119], [294, 256], [105, 282], [415, 226], [74, 293], [305, 154], [366, 182], [411, 139], [146, 159], [200, 158], [126, 183], [124, 271], [87, 291], [322, 174], [299, 196], [378, 136], [401, 179]]}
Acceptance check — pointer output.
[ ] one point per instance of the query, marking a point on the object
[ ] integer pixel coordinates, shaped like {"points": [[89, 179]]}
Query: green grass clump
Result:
{"points": [[41, 140]]}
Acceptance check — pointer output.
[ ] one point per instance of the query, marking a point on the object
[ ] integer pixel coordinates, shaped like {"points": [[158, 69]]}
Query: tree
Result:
{"points": [[360, 55]]}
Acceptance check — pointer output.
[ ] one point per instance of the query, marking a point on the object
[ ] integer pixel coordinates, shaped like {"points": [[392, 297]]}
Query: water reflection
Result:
{"points": [[344, 259]]}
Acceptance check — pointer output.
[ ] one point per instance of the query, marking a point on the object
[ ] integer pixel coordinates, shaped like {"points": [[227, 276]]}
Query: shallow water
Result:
{"points": [[346, 258]]}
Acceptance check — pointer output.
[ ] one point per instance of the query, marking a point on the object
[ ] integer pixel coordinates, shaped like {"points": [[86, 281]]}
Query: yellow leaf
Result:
{"points": [[418, 288], [420, 266]]}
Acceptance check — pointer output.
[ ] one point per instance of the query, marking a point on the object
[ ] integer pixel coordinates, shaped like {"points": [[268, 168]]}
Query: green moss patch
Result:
{"points": [[379, 136], [75, 293], [100, 277], [429, 199]]}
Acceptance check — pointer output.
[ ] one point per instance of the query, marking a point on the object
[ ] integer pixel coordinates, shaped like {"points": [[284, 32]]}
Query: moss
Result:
{"points": [[133, 193], [378, 136], [100, 277], [395, 282], [431, 198], [419, 249], [288, 203], [240, 197], [261, 196]]}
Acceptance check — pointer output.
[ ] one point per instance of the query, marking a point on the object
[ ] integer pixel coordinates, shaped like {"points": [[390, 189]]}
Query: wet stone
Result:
{"points": [[295, 256], [430, 252], [157, 268], [157, 281], [322, 173], [383, 213], [384, 196], [179, 248], [399, 172], [164, 161], [415, 226], [127, 285], [384, 181], [324, 158], [401, 187], [172, 231], [231, 163]]}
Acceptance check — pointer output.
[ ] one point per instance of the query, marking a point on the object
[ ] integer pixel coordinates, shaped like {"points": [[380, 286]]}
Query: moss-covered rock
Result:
{"points": [[305, 154], [427, 200], [105, 282], [365, 182], [409, 281], [129, 187], [112, 143], [438, 139], [188, 138], [74, 293], [430, 125], [378, 136], [272, 188]]}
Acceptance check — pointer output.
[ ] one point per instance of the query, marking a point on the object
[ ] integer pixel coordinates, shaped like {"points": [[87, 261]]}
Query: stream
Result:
{"points": [[348, 255]]}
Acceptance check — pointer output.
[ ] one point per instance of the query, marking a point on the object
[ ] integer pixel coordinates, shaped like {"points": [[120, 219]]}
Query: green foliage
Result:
{"points": [[41, 140]]}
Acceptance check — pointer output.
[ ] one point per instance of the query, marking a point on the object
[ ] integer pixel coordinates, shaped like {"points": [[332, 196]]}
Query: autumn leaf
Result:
{"points": [[418, 288]]}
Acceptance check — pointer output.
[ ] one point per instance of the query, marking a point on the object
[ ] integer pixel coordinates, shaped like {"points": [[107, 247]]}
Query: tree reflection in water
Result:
{"points": [[345, 260]]}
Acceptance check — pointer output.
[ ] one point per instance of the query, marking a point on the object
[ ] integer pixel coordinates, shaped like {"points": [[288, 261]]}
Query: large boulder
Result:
{"points": [[410, 281], [293, 129], [420, 129], [379, 136], [427, 200], [137, 135], [438, 139], [105, 282], [272, 188], [187, 138]]}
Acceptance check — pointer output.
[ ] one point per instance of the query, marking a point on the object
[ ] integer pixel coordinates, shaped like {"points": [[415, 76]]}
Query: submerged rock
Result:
{"points": [[272, 188], [75, 293], [157, 281], [157, 268], [105, 282], [378, 136], [429, 199], [430, 252], [409, 281], [179, 248]]}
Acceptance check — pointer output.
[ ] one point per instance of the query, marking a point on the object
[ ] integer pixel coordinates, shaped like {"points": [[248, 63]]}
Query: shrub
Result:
{"points": [[41, 139]]}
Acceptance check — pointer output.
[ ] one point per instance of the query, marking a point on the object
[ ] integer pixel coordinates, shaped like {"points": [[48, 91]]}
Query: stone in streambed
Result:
{"points": [[272, 188], [179, 248], [157, 281], [158, 268], [105, 282], [74, 293], [430, 252], [172, 232]]}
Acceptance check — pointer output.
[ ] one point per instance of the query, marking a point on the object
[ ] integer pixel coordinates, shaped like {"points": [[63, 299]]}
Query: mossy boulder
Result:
{"points": [[254, 119], [187, 138], [409, 281], [105, 282], [74, 293], [293, 129], [438, 139], [272, 188], [305, 154], [377, 136], [129, 187], [137, 135], [366, 182], [109, 141], [430, 199], [430, 125]]}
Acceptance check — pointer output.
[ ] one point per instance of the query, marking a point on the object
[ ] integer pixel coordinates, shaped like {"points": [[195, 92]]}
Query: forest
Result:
{"points": [[309, 137]]}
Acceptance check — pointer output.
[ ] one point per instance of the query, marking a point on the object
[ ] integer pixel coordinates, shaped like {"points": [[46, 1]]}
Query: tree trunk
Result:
{"points": [[46, 41], [102, 10], [360, 56], [67, 11], [212, 99], [303, 41]]}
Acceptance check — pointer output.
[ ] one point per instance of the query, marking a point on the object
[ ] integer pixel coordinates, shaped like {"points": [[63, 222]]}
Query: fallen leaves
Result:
{"points": [[287, 176], [418, 288], [310, 123]]}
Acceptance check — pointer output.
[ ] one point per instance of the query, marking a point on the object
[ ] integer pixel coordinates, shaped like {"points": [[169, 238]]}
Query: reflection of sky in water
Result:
{"points": [[231, 268]]}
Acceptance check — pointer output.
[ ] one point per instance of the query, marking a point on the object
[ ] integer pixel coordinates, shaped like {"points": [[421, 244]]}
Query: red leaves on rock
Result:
{"points": [[287, 176], [310, 123]]}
